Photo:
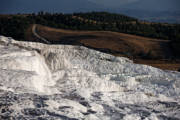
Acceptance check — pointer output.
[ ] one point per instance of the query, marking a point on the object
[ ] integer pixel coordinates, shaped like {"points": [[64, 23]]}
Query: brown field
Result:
{"points": [[142, 50]]}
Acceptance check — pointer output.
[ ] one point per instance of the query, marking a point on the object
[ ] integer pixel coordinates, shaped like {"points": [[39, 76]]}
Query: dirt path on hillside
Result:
{"points": [[37, 35]]}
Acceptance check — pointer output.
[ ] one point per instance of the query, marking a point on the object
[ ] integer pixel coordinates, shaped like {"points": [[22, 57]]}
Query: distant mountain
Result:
{"points": [[153, 16], [155, 5], [29, 6], [153, 10], [14, 6]]}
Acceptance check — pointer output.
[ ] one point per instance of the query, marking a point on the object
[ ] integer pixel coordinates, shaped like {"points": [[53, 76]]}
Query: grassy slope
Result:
{"points": [[135, 47]]}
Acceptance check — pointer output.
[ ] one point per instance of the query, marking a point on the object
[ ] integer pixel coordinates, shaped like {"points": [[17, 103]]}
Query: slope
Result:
{"points": [[87, 85], [142, 50]]}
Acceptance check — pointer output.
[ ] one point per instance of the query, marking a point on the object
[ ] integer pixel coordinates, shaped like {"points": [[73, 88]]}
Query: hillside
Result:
{"points": [[112, 41], [164, 47], [142, 50], [98, 21], [40, 81]]}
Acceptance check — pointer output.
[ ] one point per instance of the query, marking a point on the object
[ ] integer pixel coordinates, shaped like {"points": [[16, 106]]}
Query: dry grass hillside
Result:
{"points": [[142, 50]]}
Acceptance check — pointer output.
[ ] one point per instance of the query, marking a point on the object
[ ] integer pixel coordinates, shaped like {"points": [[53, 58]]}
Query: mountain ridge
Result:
{"points": [[155, 5], [66, 6], [135, 9]]}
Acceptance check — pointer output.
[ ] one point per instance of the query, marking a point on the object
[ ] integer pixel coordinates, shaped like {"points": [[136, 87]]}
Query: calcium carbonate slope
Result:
{"points": [[74, 82]]}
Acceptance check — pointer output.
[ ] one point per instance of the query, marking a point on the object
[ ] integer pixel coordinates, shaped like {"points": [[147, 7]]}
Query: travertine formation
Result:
{"points": [[64, 82]]}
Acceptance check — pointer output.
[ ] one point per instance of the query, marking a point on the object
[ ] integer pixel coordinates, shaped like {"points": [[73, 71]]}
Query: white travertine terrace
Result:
{"points": [[113, 87]]}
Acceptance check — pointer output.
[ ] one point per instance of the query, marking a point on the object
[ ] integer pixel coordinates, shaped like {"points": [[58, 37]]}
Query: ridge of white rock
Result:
{"points": [[24, 69], [74, 82]]}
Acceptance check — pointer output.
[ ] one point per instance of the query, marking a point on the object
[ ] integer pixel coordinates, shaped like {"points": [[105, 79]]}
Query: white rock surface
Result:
{"points": [[73, 82]]}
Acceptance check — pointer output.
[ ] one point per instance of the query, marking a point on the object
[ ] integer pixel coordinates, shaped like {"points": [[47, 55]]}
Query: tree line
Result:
{"points": [[16, 25]]}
